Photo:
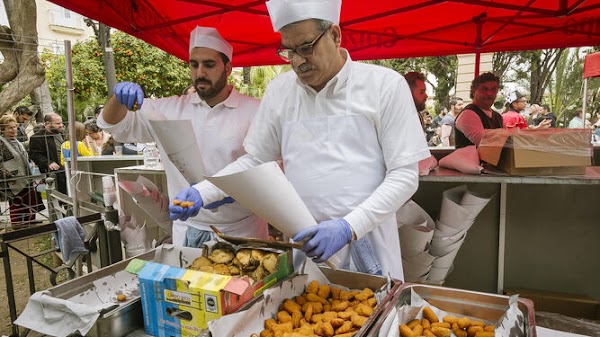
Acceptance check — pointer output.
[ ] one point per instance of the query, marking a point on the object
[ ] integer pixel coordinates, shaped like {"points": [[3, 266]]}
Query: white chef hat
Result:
{"points": [[284, 12], [209, 37]]}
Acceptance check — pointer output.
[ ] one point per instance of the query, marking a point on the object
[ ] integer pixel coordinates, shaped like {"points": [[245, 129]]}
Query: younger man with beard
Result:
{"points": [[44, 149], [220, 117]]}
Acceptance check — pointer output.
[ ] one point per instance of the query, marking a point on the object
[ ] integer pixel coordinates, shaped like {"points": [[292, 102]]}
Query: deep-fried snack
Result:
{"points": [[315, 298], [405, 331], [200, 262], [346, 327], [364, 294], [291, 306], [412, 324], [489, 328], [326, 328], [324, 291], [425, 323], [176, 202], [450, 319], [284, 316], [266, 333], [312, 287], [473, 329], [269, 262], [441, 325], [221, 269], [359, 321], [459, 332], [335, 293], [441, 332], [234, 270], [418, 330], [221, 256], [485, 334], [364, 310], [464, 322], [339, 305], [296, 319], [430, 315]]}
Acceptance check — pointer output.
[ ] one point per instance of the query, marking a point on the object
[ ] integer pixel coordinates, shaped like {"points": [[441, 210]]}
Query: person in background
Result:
{"points": [[416, 83], [576, 122], [516, 102], [44, 150], [534, 112], [23, 115], [24, 201], [478, 115], [545, 114], [220, 117], [348, 134], [82, 149], [447, 123], [95, 137], [437, 121]]}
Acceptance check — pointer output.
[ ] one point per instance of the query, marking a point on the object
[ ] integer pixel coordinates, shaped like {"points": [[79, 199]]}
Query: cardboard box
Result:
{"points": [[537, 152], [572, 305], [180, 302]]}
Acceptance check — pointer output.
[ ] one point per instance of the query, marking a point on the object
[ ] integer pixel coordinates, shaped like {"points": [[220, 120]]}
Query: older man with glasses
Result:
{"points": [[349, 136], [44, 149]]}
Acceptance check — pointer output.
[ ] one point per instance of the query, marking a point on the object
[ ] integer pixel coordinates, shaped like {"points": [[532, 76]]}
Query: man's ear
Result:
{"points": [[336, 33], [228, 68]]}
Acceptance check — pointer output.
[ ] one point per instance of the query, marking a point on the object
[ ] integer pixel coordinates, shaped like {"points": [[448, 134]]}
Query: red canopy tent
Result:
{"points": [[375, 29]]}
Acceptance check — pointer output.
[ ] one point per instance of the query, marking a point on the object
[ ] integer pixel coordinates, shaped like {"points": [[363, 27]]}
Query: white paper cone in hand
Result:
{"points": [[179, 143], [147, 195], [465, 160], [265, 190]]}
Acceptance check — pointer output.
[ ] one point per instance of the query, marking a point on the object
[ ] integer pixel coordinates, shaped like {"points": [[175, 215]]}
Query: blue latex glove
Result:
{"points": [[183, 213], [128, 93], [324, 239]]}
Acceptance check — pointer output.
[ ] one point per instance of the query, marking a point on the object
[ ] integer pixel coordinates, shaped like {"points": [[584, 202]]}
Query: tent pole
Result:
{"points": [[477, 63], [71, 121]]}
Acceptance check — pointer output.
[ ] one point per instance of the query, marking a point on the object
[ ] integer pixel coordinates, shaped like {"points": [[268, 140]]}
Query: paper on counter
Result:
{"points": [[178, 140], [147, 195], [465, 160], [266, 191]]}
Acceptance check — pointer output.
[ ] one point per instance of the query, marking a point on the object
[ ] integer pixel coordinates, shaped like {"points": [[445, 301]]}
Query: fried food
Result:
{"points": [[200, 262], [430, 315], [221, 256], [269, 262]]}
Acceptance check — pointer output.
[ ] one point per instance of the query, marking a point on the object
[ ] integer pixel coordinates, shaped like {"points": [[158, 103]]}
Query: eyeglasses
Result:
{"points": [[305, 50]]}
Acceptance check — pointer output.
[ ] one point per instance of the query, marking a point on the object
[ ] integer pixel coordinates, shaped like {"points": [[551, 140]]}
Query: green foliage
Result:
{"points": [[565, 91], [259, 78], [158, 73]]}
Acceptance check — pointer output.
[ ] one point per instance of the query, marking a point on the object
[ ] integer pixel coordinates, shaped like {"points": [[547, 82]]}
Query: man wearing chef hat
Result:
{"points": [[220, 117], [349, 137]]}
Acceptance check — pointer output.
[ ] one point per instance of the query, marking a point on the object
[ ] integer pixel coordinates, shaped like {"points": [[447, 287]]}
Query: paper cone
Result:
{"points": [[265, 190], [447, 260], [443, 231], [412, 214], [437, 275], [417, 267], [465, 160], [179, 143], [414, 239]]}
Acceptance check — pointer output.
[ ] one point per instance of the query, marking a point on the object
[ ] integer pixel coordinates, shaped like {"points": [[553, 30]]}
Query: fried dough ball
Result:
{"points": [[246, 260], [234, 270], [269, 262], [221, 269], [207, 269], [200, 262], [312, 287], [259, 273], [221, 256]]}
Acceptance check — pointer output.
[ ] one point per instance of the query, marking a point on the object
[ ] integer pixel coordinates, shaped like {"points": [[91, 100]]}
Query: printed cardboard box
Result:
{"points": [[180, 302], [537, 152]]}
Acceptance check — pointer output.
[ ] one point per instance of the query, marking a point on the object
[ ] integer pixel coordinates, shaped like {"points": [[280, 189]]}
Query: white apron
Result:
{"points": [[334, 171]]}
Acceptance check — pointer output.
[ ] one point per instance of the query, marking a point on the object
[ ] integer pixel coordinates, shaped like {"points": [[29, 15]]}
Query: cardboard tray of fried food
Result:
{"points": [[253, 242], [458, 302], [250, 320]]}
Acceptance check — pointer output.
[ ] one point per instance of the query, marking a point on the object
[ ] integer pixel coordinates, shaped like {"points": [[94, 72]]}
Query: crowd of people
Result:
{"points": [[26, 148], [461, 125]]}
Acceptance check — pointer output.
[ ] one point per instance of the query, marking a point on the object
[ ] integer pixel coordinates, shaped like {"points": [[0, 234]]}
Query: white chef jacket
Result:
{"points": [[220, 131], [378, 93]]}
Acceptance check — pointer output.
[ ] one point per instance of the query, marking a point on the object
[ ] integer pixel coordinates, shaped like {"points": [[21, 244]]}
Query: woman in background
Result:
{"points": [[82, 149], [95, 138], [15, 186]]}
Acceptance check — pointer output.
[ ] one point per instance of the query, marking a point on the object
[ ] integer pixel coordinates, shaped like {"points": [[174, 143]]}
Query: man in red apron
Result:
{"points": [[349, 137]]}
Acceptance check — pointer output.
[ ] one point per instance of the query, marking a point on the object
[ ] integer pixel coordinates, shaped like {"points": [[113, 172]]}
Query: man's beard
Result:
{"points": [[214, 89], [420, 106]]}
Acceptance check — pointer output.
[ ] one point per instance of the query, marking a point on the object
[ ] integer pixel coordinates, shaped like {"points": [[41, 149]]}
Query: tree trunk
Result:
{"points": [[21, 67], [107, 57], [42, 99]]}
